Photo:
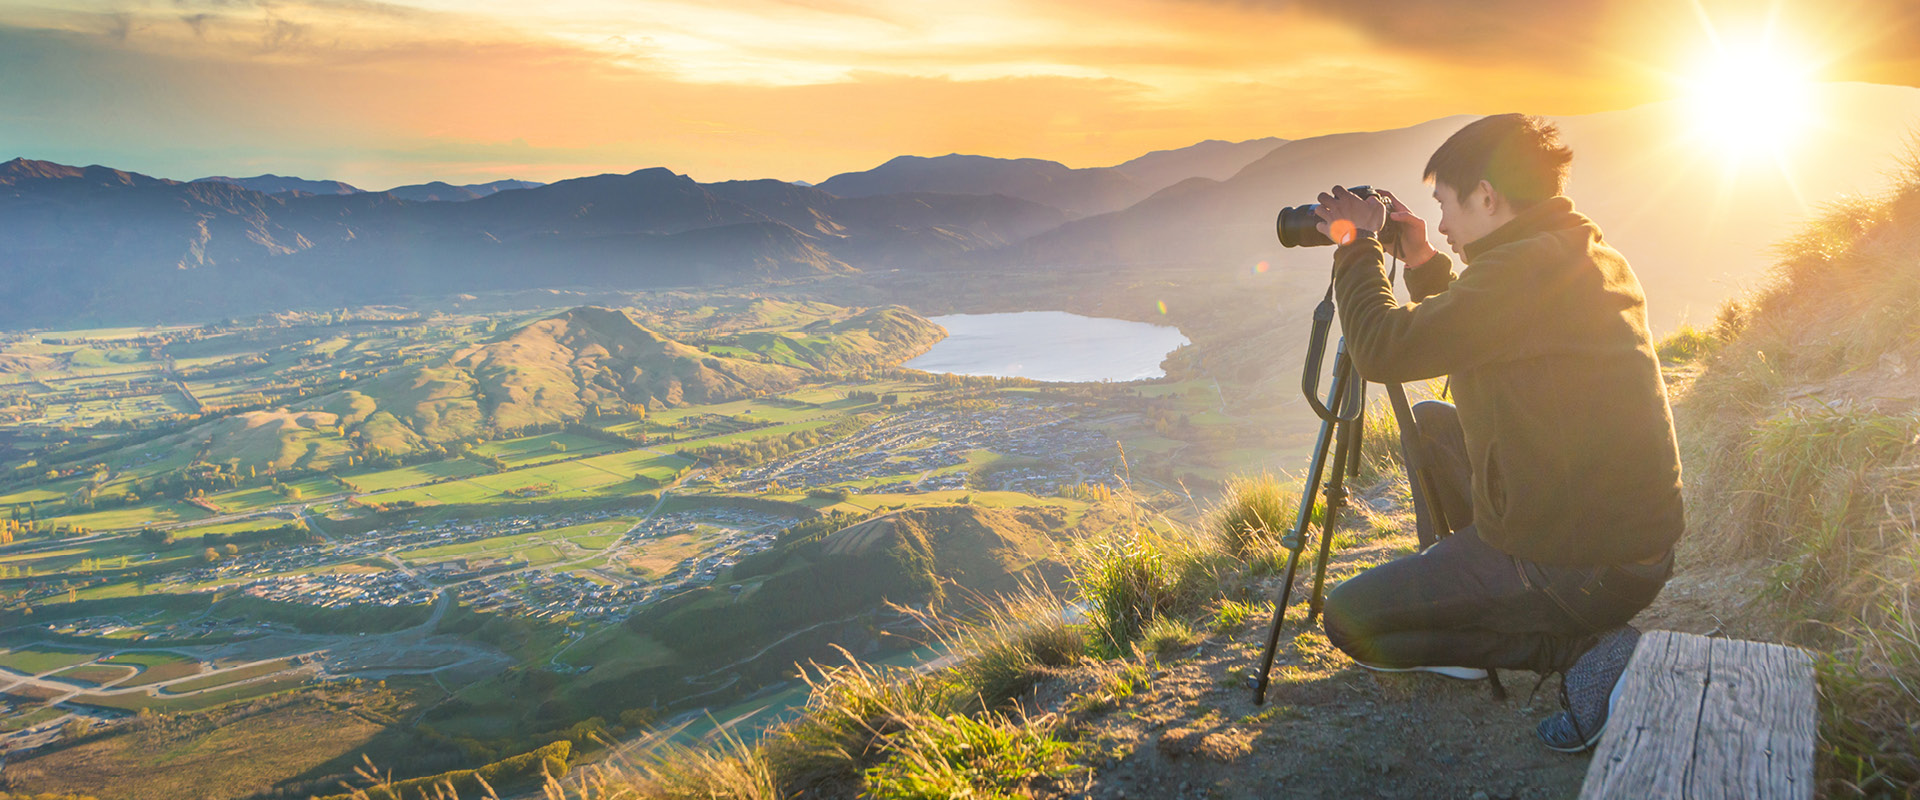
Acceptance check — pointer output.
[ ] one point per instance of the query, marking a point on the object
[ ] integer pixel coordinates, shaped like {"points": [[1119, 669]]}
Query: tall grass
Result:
{"points": [[1799, 439], [1870, 700], [1254, 513]]}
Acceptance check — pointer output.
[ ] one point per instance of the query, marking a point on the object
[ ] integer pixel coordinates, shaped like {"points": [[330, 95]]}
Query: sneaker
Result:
{"points": [[1457, 673], [1589, 690]]}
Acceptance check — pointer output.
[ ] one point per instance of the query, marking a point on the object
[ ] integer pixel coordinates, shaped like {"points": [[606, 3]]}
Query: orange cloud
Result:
{"points": [[384, 93]]}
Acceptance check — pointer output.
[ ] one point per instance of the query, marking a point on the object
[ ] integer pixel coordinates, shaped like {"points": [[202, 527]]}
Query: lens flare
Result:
{"points": [[1163, 308], [1340, 230], [1261, 268]]}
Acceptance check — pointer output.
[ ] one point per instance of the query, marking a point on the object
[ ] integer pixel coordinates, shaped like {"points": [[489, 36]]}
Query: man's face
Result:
{"points": [[1465, 219]]}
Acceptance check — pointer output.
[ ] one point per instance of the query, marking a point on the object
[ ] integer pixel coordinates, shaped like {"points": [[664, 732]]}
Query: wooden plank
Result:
{"points": [[1708, 718], [1648, 745], [1756, 732]]}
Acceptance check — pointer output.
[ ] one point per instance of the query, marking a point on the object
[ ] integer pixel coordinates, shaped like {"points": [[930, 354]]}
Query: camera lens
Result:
{"points": [[1298, 227]]}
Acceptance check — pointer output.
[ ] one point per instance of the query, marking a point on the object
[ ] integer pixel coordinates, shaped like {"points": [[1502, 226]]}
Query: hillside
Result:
{"points": [[1801, 437], [914, 557]]}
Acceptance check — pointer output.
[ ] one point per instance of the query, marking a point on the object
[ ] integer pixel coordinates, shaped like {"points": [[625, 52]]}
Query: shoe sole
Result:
{"points": [[1456, 673]]}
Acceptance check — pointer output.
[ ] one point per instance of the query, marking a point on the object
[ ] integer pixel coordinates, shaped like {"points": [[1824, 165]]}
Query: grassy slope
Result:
{"points": [[1799, 440]]}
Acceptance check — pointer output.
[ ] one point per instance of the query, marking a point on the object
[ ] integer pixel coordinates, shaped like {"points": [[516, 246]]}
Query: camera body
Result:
{"points": [[1297, 226]]}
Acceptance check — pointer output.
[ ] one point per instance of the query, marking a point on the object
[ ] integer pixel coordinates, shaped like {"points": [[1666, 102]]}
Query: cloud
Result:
{"points": [[382, 93]]}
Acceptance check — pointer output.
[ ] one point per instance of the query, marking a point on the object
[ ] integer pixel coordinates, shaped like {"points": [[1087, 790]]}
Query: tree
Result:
{"points": [[155, 537], [233, 550], [211, 555]]}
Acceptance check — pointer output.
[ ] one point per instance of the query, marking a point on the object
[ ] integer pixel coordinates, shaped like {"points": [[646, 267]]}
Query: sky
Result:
{"points": [[380, 94]]}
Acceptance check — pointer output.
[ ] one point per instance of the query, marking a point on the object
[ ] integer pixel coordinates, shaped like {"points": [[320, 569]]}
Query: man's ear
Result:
{"points": [[1487, 199]]}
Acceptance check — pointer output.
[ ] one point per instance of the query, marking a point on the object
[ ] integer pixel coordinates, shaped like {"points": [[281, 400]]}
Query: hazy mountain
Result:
{"points": [[275, 184], [441, 191], [1213, 158], [105, 244], [1078, 192], [1695, 231]]}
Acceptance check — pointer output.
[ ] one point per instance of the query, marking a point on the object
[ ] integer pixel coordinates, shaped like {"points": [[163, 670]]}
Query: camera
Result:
{"points": [[1297, 225]]}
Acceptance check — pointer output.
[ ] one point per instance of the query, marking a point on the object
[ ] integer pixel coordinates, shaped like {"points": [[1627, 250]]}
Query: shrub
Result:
{"points": [[1684, 345]]}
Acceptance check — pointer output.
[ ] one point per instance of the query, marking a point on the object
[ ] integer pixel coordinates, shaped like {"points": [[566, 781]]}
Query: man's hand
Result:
{"points": [[1343, 214], [1410, 245]]}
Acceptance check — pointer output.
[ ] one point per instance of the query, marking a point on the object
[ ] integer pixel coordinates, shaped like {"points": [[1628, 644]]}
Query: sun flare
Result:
{"points": [[1750, 99]]}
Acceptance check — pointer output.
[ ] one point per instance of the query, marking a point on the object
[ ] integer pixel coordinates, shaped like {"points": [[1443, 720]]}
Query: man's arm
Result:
{"points": [[1429, 278], [1479, 317]]}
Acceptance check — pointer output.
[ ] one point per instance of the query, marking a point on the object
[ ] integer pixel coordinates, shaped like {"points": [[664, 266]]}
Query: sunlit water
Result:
{"points": [[1050, 346]]}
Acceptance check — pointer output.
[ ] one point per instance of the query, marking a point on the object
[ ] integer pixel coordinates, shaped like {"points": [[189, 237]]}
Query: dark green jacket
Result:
{"points": [[1544, 337]]}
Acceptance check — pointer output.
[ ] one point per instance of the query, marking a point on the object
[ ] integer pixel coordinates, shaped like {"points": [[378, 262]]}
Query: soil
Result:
{"points": [[1331, 728]]}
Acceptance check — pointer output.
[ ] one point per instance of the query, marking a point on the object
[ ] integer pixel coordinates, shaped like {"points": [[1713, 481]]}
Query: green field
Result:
{"points": [[266, 496], [156, 667], [414, 475], [38, 658], [134, 517], [534, 546], [538, 449], [639, 462], [91, 675]]}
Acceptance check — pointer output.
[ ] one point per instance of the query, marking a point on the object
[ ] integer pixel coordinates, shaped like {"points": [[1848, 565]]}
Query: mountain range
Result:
{"points": [[94, 244], [435, 191]]}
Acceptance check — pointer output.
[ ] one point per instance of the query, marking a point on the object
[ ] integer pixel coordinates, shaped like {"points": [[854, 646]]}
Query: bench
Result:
{"points": [[1708, 718]]}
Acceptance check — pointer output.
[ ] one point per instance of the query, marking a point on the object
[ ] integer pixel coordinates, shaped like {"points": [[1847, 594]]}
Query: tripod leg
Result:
{"points": [[1348, 442]]}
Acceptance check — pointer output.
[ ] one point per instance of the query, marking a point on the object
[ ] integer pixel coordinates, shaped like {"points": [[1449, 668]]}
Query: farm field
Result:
{"points": [[539, 449], [413, 476], [91, 675], [156, 667], [266, 496], [40, 658]]}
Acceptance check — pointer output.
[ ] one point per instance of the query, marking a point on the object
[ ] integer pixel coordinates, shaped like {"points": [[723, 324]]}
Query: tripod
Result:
{"points": [[1342, 421]]}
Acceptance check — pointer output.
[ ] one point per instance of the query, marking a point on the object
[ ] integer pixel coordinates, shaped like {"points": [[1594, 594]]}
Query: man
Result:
{"points": [[1558, 469]]}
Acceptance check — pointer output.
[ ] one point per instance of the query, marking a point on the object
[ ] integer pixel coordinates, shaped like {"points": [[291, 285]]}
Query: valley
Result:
{"points": [[507, 528]]}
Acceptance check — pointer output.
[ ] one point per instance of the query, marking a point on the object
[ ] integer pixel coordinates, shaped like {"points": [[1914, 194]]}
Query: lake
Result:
{"points": [[1050, 346]]}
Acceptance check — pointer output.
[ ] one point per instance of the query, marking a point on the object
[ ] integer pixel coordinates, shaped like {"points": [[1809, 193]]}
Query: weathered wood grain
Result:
{"points": [[1708, 718], [1755, 738]]}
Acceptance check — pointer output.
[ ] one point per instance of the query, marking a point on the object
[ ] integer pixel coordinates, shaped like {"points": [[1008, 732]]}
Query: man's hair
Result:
{"points": [[1520, 155]]}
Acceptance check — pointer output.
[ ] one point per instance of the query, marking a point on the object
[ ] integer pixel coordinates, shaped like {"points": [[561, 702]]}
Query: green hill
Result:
{"points": [[918, 556], [553, 371]]}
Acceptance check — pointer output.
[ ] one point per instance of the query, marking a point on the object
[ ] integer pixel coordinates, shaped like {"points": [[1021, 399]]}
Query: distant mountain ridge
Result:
{"points": [[441, 191], [81, 244], [275, 184]]}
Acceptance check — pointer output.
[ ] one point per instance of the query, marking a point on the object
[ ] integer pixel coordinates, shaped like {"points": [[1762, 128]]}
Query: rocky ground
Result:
{"points": [[1189, 728]]}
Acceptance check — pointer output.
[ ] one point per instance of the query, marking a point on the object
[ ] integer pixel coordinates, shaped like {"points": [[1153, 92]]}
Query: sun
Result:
{"points": [[1750, 99]]}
